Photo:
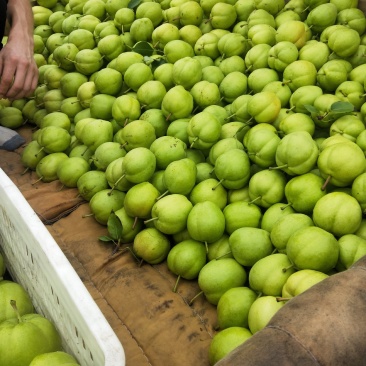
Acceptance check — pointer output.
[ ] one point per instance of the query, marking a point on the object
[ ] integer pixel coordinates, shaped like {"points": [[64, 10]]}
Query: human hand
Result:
{"points": [[18, 71]]}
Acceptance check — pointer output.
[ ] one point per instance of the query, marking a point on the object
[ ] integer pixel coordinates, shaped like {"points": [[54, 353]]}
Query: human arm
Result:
{"points": [[18, 69]]}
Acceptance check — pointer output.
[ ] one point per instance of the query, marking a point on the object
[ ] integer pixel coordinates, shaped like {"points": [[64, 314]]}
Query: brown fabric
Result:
{"points": [[323, 326], [154, 325]]}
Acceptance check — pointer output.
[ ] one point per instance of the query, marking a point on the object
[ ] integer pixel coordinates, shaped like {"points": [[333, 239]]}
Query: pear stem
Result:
{"points": [[149, 220], [14, 306], [324, 186], [116, 183], [223, 255], [287, 268], [135, 223], [278, 299], [162, 195], [195, 297], [176, 284], [219, 183]]}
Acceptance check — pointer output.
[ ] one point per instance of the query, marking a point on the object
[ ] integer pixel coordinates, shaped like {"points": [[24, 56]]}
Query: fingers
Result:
{"points": [[25, 82], [18, 80]]}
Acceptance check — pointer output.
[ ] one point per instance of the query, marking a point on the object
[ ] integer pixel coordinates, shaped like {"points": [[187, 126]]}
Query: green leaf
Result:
{"points": [[105, 238], [310, 108], [143, 48], [114, 226], [342, 107], [134, 4]]}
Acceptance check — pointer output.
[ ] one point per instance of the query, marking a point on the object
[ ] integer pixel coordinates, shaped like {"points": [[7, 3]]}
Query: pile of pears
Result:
{"points": [[225, 138]]}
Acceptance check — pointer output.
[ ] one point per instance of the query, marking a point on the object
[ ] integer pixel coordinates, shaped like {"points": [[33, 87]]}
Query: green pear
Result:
{"points": [[141, 29], [218, 276], [338, 213], [316, 52], [293, 31], [264, 106], [186, 259], [180, 176], [70, 170], [177, 103], [267, 187], [259, 78], [187, 71], [269, 274], [344, 42], [139, 165], [260, 16], [167, 149], [152, 11], [206, 222], [71, 82], [331, 75], [115, 176], [262, 34], [53, 139], [282, 54], [140, 199], [151, 246], [222, 15], [304, 95], [88, 61], [177, 49], [32, 154], [294, 160], [209, 190], [219, 249], [285, 226], [349, 126], [351, 248], [321, 17], [90, 183], [156, 118], [130, 226], [357, 190], [170, 213], [138, 133], [164, 33], [203, 130], [303, 191], [241, 214], [232, 168], [104, 202], [225, 341], [137, 74], [233, 85], [106, 153], [151, 94], [352, 17], [300, 73], [313, 248], [262, 311], [301, 281], [261, 147], [126, 108], [257, 57], [337, 166], [233, 307], [250, 244], [352, 92], [273, 213]]}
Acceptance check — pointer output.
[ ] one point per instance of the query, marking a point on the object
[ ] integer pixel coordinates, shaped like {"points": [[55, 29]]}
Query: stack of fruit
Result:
{"points": [[227, 138], [26, 338]]}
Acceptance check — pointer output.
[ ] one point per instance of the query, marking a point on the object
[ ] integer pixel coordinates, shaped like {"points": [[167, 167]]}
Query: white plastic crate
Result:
{"points": [[35, 260]]}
